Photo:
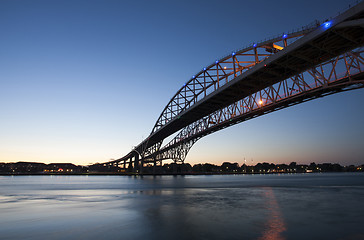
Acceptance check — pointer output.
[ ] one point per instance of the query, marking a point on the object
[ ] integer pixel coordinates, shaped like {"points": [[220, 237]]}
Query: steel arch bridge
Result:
{"points": [[312, 62]]}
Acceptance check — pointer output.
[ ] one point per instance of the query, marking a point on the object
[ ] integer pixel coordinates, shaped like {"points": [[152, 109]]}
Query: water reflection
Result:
{"points": [[190, 207], [275, 225]]}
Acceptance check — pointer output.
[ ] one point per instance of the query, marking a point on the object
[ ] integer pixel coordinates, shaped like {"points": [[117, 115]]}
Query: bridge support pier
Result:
{"points": [[130, 165], [174, 169], [136, 163], [141, 166], [154, 165]]}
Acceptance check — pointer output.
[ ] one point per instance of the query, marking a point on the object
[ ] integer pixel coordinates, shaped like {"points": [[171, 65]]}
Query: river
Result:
{"points": [[277, 207]]}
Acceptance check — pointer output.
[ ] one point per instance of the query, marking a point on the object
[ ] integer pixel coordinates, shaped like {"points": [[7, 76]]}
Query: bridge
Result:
{"points": [[312, 62]]}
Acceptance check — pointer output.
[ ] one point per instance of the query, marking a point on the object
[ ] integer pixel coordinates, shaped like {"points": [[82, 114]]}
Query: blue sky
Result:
{"points": [[84, 81]]}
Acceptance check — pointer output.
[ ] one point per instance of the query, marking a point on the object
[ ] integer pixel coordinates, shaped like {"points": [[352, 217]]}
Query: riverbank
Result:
{"points": [[226, 168]]}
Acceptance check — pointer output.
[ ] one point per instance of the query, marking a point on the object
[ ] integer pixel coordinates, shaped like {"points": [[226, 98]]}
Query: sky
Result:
{"points": [[83, 81]]}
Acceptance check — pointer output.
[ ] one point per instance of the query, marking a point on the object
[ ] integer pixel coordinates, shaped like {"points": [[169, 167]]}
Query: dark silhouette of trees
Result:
{"points": [[174, 168]]}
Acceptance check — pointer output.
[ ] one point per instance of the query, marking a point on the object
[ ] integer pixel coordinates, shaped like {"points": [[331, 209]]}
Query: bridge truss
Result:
{"points": [[343, 73], [315, 61]]}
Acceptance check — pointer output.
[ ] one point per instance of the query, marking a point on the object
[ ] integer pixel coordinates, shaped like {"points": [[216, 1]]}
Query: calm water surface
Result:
{"points": [[297, 206]]}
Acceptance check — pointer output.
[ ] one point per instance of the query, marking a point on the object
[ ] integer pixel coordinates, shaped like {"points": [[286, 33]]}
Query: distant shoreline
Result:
{"points": [[226, 168], [160, 174]]}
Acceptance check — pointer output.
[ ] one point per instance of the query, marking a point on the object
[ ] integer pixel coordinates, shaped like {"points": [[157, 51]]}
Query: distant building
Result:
{"points": [[63, 168], [26, 167]]}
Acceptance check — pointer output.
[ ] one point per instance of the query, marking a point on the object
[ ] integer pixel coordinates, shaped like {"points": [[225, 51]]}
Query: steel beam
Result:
{"points": [[252, 81]]}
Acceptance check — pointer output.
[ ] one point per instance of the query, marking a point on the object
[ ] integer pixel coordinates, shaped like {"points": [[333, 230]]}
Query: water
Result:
{"points": [[296, 206]]}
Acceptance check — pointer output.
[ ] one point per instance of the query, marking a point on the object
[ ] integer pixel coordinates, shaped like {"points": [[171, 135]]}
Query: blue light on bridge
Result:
{"points": [[193, 77], [204, 69], [327, 24], [217, 61], [284, 36], [233, 53], [254, 45]]}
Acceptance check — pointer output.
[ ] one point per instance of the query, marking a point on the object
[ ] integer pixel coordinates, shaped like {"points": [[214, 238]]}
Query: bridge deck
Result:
{"points": [[320, 45], [347, 83]]}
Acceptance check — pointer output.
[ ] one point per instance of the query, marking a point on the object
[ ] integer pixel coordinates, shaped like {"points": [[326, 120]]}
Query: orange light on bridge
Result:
{"points": [[261, 102]]}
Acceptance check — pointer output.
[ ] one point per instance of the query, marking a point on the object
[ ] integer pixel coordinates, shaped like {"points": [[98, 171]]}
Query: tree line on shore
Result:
{"points": [[171, 168]]}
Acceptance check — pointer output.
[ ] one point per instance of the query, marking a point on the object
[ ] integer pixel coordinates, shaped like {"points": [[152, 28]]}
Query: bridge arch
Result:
{"points": [[322, 80], [218, 74], [222, 71], [259, 79]]}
